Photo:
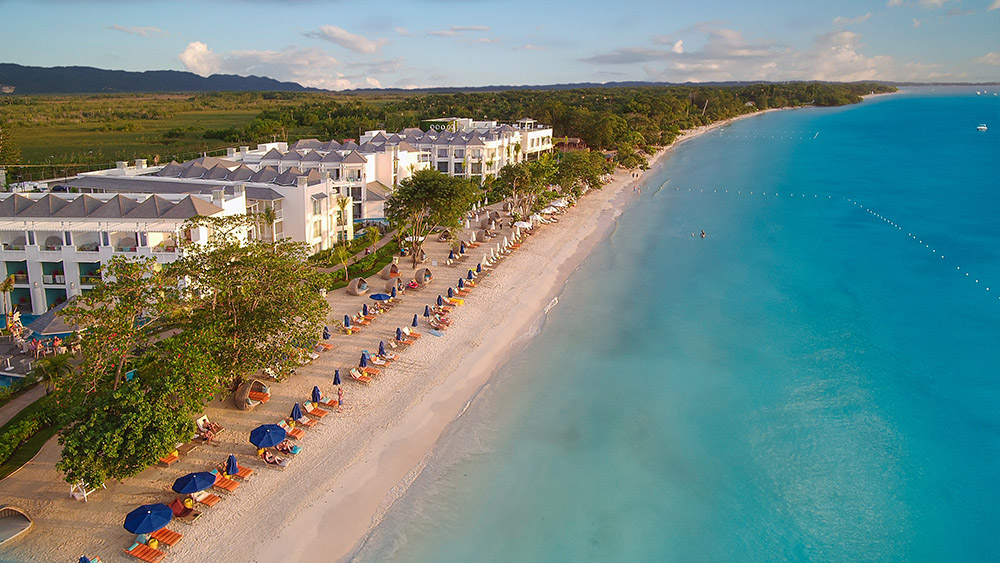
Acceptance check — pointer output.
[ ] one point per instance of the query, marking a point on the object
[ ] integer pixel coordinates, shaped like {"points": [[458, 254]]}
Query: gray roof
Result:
{"points": [[287, 178], [348, 146], [333, 157], [244, 172], [116, 208], [218, 172], [376, 191], [355, 158], [45, 207], [331, 146], [152, 207], [292, 156], [82, 206], [319, 196], [194, 171], [171, 170], [268, 194], [312, 157], [265, 174], [307, 144], [272, 154], [475, 141], [189, 207], [14, 205]]}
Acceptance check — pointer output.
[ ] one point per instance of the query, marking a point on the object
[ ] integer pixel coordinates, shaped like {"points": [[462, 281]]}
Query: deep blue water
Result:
{"points": [[816, 380]]}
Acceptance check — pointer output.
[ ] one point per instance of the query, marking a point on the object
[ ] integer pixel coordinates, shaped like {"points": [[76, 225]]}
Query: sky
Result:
{"points": [[343, 44]]}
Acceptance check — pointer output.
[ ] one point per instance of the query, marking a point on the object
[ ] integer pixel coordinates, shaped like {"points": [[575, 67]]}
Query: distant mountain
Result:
{"points": [[89, 80]]}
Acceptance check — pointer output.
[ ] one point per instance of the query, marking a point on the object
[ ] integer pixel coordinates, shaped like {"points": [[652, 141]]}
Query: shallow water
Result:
{"points": [[808, 382]]}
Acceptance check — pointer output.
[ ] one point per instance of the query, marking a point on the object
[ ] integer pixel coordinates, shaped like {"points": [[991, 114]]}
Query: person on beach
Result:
{"points": [[340, 397], [703, 234]]}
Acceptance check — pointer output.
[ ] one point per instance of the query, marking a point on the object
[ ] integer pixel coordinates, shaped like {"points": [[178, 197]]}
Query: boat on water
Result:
{"points": [[982, 127]]}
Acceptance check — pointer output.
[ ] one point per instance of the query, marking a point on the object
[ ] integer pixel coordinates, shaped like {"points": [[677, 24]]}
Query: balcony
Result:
{"points": [[13, 246], [90, 279], [20, 278]]}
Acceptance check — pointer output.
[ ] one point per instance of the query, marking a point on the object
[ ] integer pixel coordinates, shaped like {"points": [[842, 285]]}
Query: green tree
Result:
{"points": [[53, 369], [428, 199], [269, 217], [342, 203], [6, 286]]}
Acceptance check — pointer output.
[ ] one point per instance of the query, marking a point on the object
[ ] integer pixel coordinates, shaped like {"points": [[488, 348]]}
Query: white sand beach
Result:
{"points": [[356, 461]]}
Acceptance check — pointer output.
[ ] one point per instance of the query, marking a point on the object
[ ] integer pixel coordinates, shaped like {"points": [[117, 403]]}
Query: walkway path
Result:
{"points": [[15, 406]]}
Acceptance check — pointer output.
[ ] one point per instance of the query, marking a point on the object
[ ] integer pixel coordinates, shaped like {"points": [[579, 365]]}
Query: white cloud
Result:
{"points": [[678, 47], [199, 59], [850, 21], [403, 32], [143, 31], [456, 30], [893, 3], [994, 6], [933, 3], [346, 39], [529, 47], [992, 58]]}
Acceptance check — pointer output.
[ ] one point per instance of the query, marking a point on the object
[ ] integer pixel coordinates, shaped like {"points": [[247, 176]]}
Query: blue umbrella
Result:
{"points": [[364, 309], [440, 301], [193, 482], [461, 249], [267, 435], [399, 333], [461, 283], [148, 518], [451, 293], [296, 412], [427, 310], [381, 347], [393, 292], [414, 323], [451, 255], [471, 275], [316, 396], [479, 268], [364, 362], [380, 296], [347, 321], [326, 333], [232, 468], [84, 559], [336, 377]]}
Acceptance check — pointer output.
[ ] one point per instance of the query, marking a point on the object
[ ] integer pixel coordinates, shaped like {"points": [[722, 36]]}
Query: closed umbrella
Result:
{"points": [[414, 323], [364, 361], [347, 321], [427, 310], [326, 333], [451, 255], [316, 395], [232, 468], [471, 275], [440, 302], [267, 435], [193, 482], [296, 412], [479, 268], [393, 293], [399, 333], [461, 248], [380, 296], [451, 293], [381, 347], [148, 518], [461, 283], [336, 377], [364, 309]]}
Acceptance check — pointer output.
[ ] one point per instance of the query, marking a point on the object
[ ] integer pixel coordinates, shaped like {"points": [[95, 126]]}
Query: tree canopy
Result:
{"points": [[428, 199]]}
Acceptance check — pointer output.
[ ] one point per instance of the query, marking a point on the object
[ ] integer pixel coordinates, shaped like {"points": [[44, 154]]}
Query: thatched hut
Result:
{"points": [[358, 286], [390, 271], [423, 276]]}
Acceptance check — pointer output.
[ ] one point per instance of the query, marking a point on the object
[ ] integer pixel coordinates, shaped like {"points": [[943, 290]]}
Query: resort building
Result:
{"points": [[54, 243]]}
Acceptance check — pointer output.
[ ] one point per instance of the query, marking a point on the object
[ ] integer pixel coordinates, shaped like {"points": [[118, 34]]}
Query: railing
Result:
{"points": [[125, 249], [90, 279], [88, 247], [13, 246], [170, 248], [20, 278]]}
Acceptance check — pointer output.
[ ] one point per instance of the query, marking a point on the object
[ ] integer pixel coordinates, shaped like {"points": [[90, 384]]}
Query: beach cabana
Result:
{"points": [[495, 215], [423, 276], [485, 223], [358, 286], [13, 523], [394, 283], [483, 235], [250, 394], [390, 271]]}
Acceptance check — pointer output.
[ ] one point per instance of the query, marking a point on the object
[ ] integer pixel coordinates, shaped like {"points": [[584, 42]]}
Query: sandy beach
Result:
{"points": [[363, 456]]}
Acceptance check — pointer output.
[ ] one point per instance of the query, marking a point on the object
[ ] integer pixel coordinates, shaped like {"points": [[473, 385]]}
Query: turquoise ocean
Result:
{"points": [[818, 379]]}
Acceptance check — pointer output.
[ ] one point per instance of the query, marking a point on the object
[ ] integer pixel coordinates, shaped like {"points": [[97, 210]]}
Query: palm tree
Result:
{"points": [[51, 370], [6, 286], [343, 255], [269, 217], [342, 203], [372, 235]]}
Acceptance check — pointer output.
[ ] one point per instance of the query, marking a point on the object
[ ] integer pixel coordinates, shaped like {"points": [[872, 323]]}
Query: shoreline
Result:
{"points": [[358, 461]]}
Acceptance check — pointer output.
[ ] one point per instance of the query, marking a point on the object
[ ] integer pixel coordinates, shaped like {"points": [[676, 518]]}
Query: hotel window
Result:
{"points": [[477, 168], [442, 153], [317, 207], [459, 168], [459, 153], [443, 167], [476, 153], [318, 229]]}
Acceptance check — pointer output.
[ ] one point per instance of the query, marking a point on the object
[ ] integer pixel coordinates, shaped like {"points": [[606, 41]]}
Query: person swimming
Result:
{"points": [[703, 234]]}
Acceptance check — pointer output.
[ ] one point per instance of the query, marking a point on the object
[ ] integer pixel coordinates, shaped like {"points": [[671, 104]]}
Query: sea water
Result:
{"points": [[814, 380]]}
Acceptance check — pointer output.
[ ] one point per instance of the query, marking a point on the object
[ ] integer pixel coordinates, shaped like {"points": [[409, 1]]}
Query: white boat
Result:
{"points": [[982, 127]]}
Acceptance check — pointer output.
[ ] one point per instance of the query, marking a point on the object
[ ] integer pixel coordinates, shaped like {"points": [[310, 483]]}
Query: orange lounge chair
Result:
{"points": [[312, 410], [358, 376], [208, 499], [293, 433], [223, 483], [406, 342], [359, 320], [305, 421], [411, 333], [146, 553], [242, 473], [259, 396], [167, 537], [170, 458], [371, 371], [329, 402]]}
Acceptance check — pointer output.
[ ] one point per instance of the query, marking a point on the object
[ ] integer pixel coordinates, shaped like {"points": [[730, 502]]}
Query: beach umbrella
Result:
{"points": [[381, 296], [296, 411], [427, 310], [479, 268], [326, 333], [316, 395], [364, 361], [414, 323], [471, 275], [267, 435], [347, 321], [393, 293], [232, 468], [451, 293], [461, 283], [451, 255], [193, 482], [381, 347], [440, 302], [336, 377], [148, 518], [84, 559], [364, 309], [466, 224], [461, 248], [399, 333]]}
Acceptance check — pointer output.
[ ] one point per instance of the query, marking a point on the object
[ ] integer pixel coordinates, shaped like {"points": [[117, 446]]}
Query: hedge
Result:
{"points": [[18, 434]]}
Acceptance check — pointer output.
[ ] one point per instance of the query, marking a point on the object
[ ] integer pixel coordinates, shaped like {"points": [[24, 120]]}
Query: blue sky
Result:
{"points": [[337, 44]]}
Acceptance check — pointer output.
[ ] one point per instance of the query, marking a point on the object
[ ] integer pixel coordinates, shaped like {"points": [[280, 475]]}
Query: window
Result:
{"points": [[459, 153], [459, 168], [442, 153], [476, 153], [443, 167], [317, 229], [317, 207], [357, 210], [477, 168]]}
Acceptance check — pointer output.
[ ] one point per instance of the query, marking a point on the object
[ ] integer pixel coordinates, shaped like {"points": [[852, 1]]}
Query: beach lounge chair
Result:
{"points": [[170, 458], [358, 376], [251, 393], [183, 513], [389, 356], [272, 460], [145, 553], [286, 447], [377, 361], [206, 425], [208, 499], [360, 320], [411, 333], [293, 433], [329, 402], [405, 341], [242, 473], [185, 449], [223, 483], [305, 421], [368, 370], [323, 347], [166, 537], [313, 410]]}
